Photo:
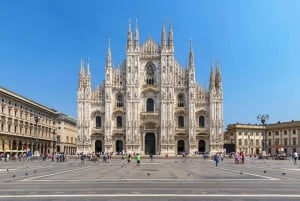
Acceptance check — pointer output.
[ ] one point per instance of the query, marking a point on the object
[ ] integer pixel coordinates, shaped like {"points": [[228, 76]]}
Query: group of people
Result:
{"points": [[137, 157], [239, 158], [108, 156]]}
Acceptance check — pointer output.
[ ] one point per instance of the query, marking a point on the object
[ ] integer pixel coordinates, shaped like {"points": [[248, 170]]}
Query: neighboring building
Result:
{"points": [[25, 125], [278, 137], [245, 137], [66, 134], [150, 104], [284, 136]]}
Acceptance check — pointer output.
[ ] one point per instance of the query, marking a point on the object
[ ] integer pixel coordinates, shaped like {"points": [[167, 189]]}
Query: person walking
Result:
{"points": [[295, 157], [236, 158], [82, 159], [129, 158], [138, 159], [217, 159]]}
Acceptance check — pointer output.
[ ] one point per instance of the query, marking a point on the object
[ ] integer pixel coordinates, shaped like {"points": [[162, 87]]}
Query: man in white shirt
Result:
{"points": [[295, 157]]}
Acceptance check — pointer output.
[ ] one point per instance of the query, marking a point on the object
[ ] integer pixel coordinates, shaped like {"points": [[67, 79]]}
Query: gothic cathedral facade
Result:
{"points": [[150, 104]]}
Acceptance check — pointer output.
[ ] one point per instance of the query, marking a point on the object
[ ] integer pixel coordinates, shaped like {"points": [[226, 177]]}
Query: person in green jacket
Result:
{"points": [[138, 159]]}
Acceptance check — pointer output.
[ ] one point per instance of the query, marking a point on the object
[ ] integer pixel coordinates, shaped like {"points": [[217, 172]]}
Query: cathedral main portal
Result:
{"points": [[150, 144], [98, 146]]}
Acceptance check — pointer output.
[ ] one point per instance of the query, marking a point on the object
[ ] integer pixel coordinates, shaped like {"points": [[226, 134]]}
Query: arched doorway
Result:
{"points": [[119, 146], [201, 146], [150, 143], [257, 151], [180, 146], [98, 146]]}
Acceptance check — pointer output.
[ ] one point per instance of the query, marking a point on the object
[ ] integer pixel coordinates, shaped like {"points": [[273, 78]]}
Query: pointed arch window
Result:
{"points": [[201, 122], [150, 105], [180, 121], [119, 100], [150, 73], [98, 122], [119, 122], [180, 100]]}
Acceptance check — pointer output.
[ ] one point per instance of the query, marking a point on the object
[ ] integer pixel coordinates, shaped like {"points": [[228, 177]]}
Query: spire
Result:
{"points": [[108, 58], [163, 38], [191, 55], [212, 77], [218, 76], [136, 36], [170, 38], [81, 73], [88, 74], [129, 37]]}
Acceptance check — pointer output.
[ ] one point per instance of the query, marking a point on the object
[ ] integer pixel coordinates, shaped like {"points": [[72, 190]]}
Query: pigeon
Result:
{"points": [[7, 170], [283, 173], [14, 176], [241, 172], [265, 171], [34, 171], [148, 173], [26, 173]]}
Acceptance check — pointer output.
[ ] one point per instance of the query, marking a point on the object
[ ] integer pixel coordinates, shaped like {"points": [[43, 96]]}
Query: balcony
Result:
{"points": [[97, 130], [150, 116], [180, 129], [202, 129], [118, 130]]}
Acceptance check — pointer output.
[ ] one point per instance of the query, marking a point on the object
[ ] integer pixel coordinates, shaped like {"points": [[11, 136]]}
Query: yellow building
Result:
{"points": [[280, 137], [246, 137], [66, 134], [283, 136], [25, 125]]}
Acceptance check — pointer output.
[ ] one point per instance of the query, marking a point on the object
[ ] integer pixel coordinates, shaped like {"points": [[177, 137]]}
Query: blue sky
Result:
{"points": [[257, 43]]}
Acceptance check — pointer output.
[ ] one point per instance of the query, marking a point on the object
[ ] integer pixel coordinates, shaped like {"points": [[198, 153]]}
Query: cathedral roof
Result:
{"points": [[150, 47]]}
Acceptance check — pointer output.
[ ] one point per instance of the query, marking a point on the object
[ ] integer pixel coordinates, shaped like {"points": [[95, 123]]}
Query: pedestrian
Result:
{"points": [[295, 157], [291, 158], [217, 159], [236, 158], [243, 157], [151, 157], [138, 159], [82, 159], [129, 158]]}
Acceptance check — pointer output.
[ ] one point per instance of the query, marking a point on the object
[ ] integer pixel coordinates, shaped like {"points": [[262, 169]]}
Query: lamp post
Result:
{"points": [[36, 151], [263, 118], [249, 143], [54, 142]]}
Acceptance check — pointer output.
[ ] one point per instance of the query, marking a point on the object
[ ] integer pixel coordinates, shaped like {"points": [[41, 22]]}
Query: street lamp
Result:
{"points": [[36, 151], [54, 142], [249, 143], [263, 118]]}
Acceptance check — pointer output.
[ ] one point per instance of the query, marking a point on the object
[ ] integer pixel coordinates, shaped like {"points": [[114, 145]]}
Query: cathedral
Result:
{"points": [[150, 104]]}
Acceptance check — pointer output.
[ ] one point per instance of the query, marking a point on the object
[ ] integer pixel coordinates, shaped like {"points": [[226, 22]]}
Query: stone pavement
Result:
{"points": [[175, 178]]}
